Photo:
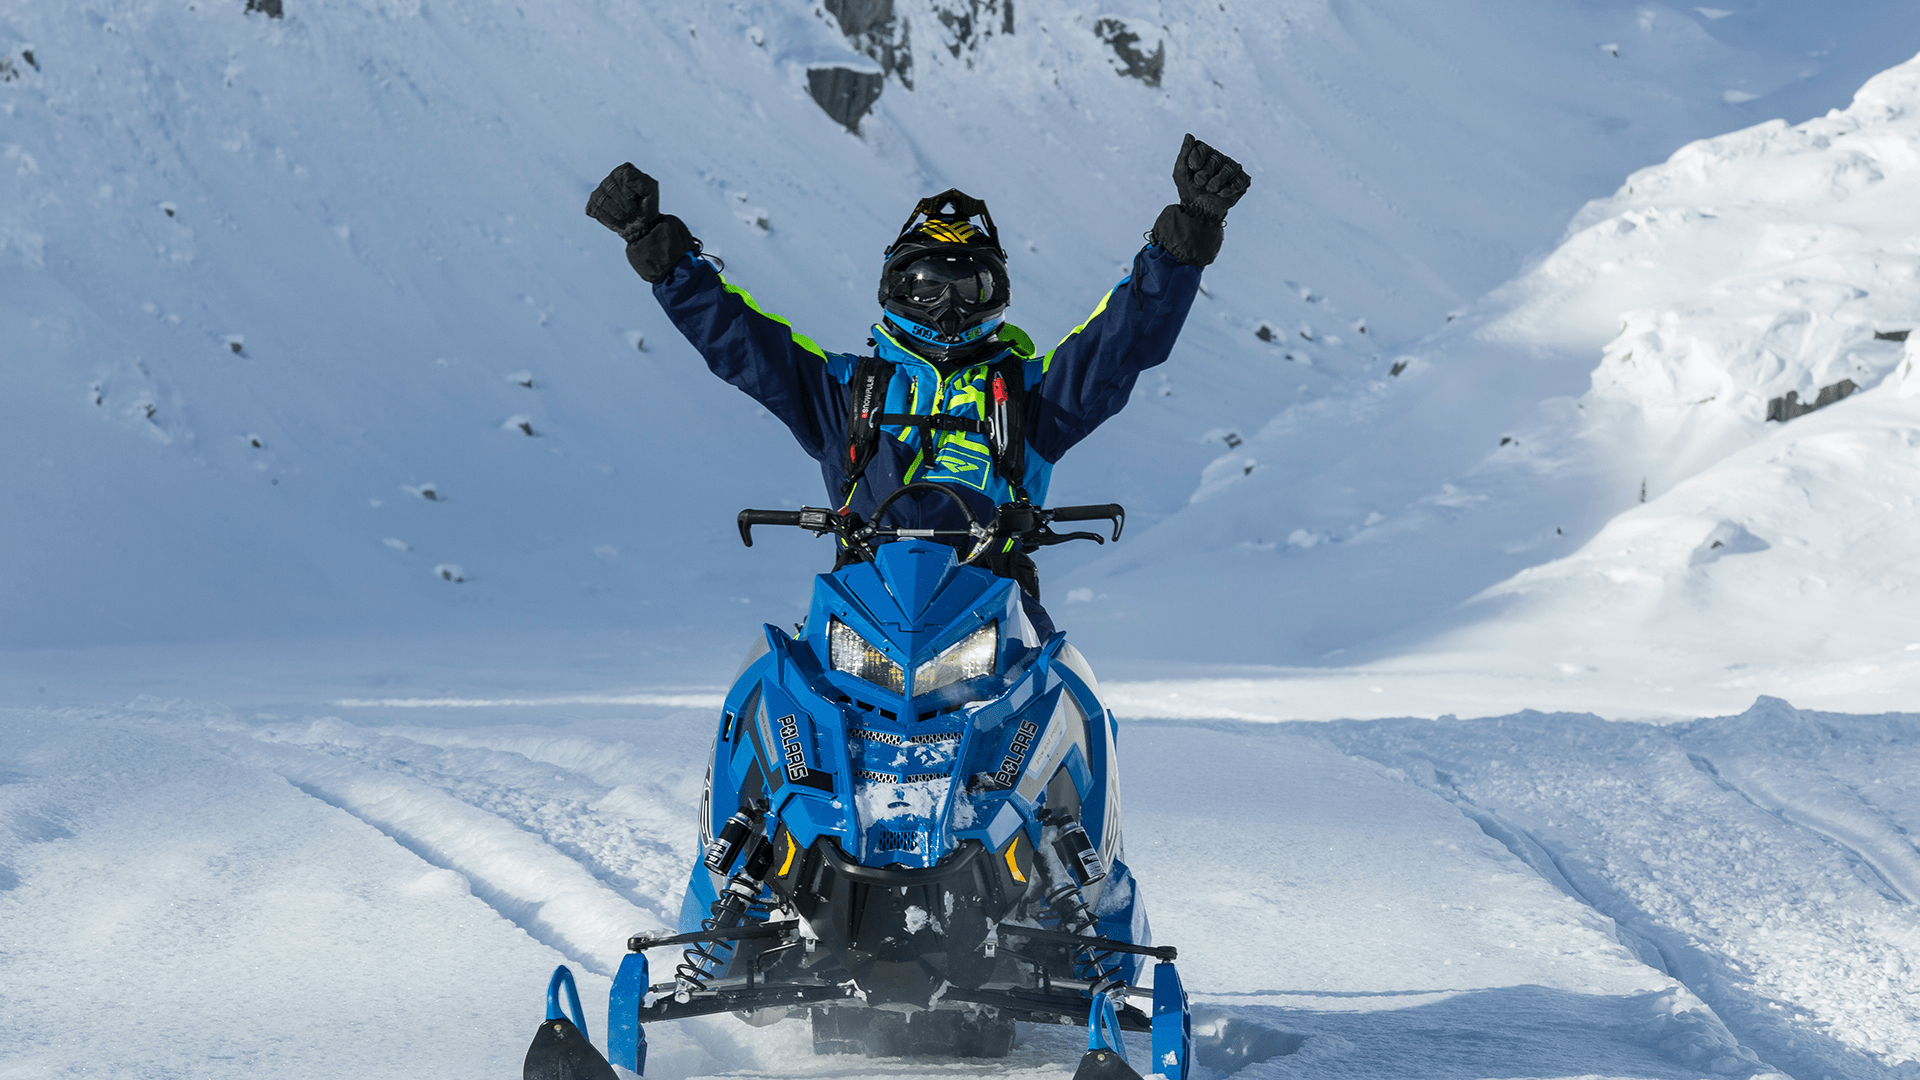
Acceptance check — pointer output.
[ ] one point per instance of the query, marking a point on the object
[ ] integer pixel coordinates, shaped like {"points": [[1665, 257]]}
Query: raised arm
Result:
{"points": [[1088, 376], [760, 353]]}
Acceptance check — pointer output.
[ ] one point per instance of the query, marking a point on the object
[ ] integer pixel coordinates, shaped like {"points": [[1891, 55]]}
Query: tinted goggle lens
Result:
{"points": [[929, 280]]}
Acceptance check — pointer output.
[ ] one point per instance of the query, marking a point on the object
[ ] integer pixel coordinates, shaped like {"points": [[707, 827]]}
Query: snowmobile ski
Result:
{"points": [[561, 1049], [1106, 1057]]}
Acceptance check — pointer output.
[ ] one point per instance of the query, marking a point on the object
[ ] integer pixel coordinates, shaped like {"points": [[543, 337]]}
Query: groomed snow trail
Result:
{"points": [[381, 892]]}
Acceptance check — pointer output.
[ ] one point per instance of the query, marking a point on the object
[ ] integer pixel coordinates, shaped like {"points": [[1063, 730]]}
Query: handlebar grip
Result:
{"points": [[1099, 512], [749, 518], [1089, 513]]}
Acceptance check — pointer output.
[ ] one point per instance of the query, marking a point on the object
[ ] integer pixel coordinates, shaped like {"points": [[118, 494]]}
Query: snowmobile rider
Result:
{"points": [[952, 394]]}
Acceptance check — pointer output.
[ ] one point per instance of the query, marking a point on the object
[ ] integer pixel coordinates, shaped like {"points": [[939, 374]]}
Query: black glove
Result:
{"points": [[628, 202], [1209, 183]]}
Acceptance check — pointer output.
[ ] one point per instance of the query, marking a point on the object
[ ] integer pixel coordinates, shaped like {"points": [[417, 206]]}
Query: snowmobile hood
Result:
{"points": [[915, 573], [915, 599]]}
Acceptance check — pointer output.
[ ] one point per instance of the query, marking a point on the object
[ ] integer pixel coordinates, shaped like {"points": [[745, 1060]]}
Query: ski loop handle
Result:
{"points": [[562, 976]]}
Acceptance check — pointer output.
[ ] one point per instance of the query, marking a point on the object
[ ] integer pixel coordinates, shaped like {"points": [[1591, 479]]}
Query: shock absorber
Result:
{"points": [[726, 844], [1075, 848], [703, 960]]}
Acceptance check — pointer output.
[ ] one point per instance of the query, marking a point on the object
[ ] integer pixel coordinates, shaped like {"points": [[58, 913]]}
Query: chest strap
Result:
{"points": [[1004, 425]]}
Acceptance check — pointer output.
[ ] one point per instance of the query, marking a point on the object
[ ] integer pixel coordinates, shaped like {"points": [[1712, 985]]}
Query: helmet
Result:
{"points": [[944, 284]]}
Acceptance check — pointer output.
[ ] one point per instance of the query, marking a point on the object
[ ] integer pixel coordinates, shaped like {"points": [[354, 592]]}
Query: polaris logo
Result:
{"points": [[888, 840], [796, 759], [1017, 753]]}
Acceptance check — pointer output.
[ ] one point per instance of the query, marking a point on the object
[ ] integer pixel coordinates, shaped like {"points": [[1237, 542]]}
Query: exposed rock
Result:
{"points": [[1132, 61], [846, 95], [269, 8], [875, 30], [970, 22], [1786, 408]]}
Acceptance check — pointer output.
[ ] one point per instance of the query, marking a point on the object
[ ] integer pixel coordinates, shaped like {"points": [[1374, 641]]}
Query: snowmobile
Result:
{"points": [[910, 827]]}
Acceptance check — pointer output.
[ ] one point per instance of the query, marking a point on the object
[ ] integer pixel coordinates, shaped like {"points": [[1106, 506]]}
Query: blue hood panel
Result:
{"points": [[913, 579]]}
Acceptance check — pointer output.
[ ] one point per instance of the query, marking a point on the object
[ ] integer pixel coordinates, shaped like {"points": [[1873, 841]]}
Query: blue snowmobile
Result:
{"points": [[911, 825]]}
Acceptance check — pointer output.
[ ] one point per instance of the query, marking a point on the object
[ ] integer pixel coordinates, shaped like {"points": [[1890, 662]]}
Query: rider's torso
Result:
{"points": [[961, 460]]}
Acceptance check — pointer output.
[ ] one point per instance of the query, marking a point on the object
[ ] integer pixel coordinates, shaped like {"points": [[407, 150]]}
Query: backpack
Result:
{"points": [[1004, 427]]}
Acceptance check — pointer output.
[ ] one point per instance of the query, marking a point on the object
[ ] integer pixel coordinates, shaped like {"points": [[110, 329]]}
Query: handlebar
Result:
{"points": [[1022, 522]]}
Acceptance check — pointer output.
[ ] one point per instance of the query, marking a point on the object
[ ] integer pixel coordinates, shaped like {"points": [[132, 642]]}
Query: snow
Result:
{"points": [[1540, 895], [1652, 546], [370, 579]]}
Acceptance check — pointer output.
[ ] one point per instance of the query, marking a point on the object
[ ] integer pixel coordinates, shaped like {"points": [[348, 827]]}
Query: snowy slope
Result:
{"points": [[1508, 540], [377, 204]]}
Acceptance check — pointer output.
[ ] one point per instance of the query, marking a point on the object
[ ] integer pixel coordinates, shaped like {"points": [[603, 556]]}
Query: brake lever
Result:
{"points": [[1046, 537]]}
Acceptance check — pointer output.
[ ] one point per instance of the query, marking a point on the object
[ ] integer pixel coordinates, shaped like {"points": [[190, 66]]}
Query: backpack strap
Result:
{"points": [[1004, 425], [1007, 420], [866, 397]]}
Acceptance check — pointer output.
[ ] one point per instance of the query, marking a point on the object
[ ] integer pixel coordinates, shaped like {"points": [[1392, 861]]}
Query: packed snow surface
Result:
{"points": [[380, 891]]}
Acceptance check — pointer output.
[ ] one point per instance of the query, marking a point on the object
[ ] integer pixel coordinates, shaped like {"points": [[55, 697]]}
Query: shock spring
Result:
{"points": [[705, 960], [1093, 964]]}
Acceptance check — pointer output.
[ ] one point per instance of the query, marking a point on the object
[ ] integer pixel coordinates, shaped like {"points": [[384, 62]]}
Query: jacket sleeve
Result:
{"points": [[793, 378], [1089, 375]]}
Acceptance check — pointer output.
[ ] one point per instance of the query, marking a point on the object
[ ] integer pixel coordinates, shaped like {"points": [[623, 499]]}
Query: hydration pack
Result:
{"points": [[1004, 425]]}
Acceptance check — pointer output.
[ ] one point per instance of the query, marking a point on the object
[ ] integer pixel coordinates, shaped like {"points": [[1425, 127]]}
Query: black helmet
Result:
{"points": [[945, 281]]}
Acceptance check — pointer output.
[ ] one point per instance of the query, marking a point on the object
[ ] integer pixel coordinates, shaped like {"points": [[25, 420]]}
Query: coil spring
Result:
{"points": [[703, 960], [1094, 964]]}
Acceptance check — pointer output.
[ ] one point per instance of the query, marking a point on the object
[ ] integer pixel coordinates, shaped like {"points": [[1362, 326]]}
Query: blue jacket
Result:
{"points": [[1072, 389]]}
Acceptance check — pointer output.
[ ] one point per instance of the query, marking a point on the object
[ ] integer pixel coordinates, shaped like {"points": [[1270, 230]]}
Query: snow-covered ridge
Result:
{"points": [[1778, 259], [1773, 261], [1651, 528]]}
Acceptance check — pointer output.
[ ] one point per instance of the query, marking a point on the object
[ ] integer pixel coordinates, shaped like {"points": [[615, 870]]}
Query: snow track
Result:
{"points": [[1759, 859], [1535, 895], [547, 860]]}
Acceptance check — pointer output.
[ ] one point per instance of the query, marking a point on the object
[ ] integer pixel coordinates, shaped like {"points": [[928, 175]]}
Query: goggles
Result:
{"points": [[944, 278]]}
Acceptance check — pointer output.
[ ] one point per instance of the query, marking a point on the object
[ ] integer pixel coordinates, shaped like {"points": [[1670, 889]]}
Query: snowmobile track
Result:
{"points": [[1884, 857]]}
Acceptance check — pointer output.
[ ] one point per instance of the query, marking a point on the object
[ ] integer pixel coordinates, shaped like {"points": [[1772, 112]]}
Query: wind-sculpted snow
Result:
{"points": [[1579, 489]]}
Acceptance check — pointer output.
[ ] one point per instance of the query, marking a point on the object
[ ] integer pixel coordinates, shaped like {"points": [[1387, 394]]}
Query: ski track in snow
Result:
{"points": [[559, 855], [1759, 859], [1533, 895]]}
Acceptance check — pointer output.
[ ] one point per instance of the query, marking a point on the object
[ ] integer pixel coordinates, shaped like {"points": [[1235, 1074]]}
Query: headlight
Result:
{"points": [[976, 655], [849, 652]]}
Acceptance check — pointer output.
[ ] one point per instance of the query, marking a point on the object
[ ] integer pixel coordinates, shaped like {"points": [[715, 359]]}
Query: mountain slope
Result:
{"points": [[266, 282], [1501, 530]]}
